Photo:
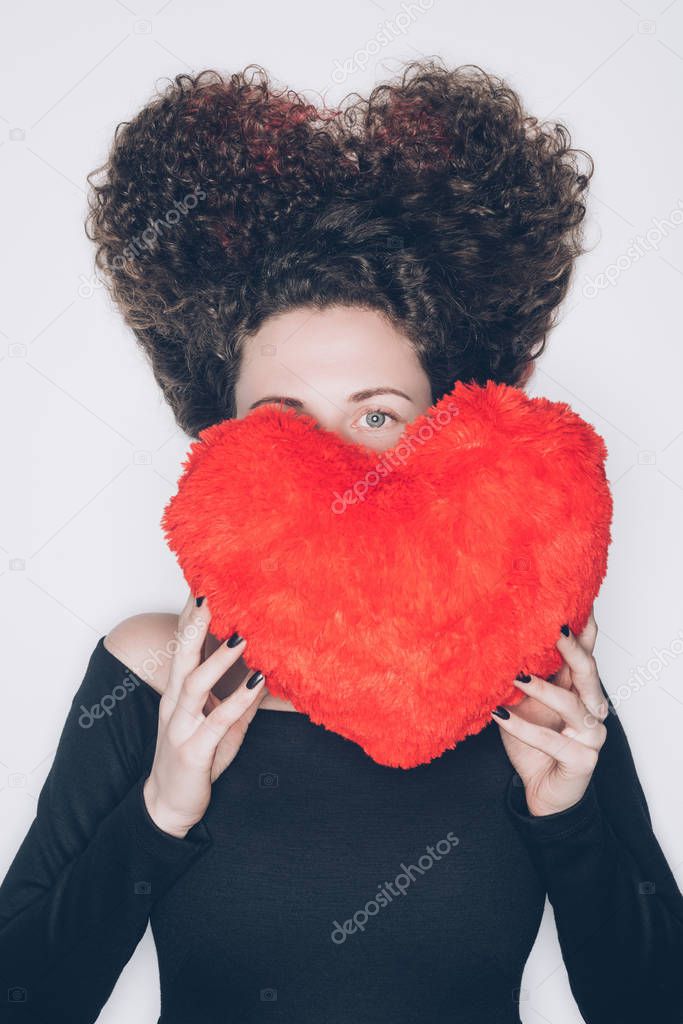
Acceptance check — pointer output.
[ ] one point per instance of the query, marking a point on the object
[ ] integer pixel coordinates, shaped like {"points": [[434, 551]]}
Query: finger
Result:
{"points": [[574, 756], [589, 634], [201, 680], [569, 707], [587, 639], [193, 624], [584, 674], [203, 742]]}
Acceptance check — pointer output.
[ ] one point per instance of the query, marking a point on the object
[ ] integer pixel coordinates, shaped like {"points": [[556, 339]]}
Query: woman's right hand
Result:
{"points": [[192, 748]]}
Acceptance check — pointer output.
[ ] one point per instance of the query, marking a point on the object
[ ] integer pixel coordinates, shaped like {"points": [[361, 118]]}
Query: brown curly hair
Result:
{"points": [[437, 201]]}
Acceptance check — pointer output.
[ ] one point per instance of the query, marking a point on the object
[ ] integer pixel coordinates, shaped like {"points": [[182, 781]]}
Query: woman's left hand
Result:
{"points": [[554, 735]]}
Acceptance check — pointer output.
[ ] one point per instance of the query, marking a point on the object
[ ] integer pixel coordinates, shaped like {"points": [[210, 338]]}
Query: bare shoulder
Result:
{"points": [[144, 643]]}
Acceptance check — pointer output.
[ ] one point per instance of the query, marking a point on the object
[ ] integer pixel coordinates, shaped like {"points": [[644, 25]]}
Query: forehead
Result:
{"points": [[349, 347]]}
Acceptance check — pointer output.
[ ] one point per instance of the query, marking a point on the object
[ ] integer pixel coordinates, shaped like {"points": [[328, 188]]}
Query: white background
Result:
{"points": [[80, 542]]}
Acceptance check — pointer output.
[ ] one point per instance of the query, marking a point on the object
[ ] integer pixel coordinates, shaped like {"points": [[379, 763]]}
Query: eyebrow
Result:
{"points": [[356, 396]]}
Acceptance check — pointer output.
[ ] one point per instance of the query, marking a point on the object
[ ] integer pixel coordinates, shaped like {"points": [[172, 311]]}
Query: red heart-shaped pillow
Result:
{"points": [[393, 596]]}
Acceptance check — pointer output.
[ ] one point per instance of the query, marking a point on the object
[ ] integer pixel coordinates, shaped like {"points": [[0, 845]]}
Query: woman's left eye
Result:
{"points": [[377, 418]]}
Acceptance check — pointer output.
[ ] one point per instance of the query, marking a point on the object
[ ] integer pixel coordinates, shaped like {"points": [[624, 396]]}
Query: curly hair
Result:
{"points": [[437, 201]]}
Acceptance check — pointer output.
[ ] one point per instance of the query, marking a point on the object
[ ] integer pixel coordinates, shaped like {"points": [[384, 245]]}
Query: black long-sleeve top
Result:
{"points": [[321, 886]]}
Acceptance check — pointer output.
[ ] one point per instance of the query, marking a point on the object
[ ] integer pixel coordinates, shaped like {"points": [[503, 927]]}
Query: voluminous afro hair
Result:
{"points": [[437, 201]]}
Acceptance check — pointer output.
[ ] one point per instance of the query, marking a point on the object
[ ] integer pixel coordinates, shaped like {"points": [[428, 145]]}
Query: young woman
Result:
{"points": [[350, 264]]}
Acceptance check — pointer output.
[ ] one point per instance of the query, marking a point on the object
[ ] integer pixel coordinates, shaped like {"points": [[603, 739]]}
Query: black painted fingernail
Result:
{"points": [[234, 640], [501, 712], [199, 601], [523, 678], [254, 680], [565, 629]]}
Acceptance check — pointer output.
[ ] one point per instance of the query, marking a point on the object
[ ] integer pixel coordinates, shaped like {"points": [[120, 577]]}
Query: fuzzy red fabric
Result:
{"points": [[393, 596]]}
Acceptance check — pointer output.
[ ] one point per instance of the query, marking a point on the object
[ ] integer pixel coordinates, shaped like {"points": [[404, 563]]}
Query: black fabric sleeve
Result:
{"points": [[618, 909], [76, 899]]}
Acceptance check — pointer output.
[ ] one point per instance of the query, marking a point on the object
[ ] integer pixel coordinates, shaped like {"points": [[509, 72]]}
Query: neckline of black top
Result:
{"points": [[280, 732]]}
